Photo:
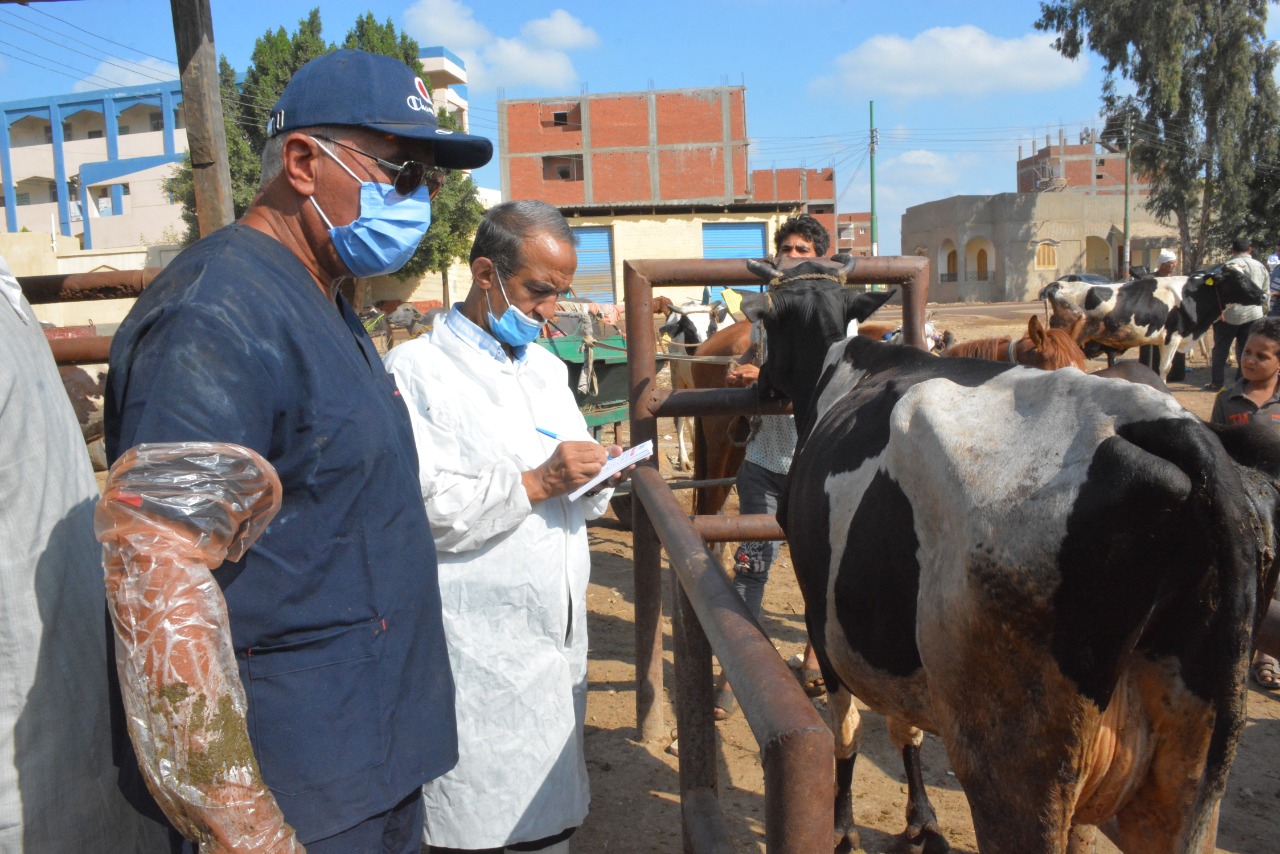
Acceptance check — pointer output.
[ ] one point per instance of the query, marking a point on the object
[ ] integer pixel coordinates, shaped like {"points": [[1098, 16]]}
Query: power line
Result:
{"points": [[141, 73], [85, 74], [77, 76], [103, 38]]}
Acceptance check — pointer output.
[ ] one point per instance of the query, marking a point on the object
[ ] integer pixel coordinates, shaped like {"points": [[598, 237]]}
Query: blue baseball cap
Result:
{"points": [[369, 90]]}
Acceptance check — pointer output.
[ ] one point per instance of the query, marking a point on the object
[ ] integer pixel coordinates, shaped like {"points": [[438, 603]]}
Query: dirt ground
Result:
{"points": [[635, 805]]}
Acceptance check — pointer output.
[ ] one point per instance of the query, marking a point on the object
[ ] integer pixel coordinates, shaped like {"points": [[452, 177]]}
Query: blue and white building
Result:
{"points": [[92, 165]]}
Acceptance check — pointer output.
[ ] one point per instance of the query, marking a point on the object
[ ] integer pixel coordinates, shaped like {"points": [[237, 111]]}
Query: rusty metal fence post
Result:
{"points": [[709, 616]]}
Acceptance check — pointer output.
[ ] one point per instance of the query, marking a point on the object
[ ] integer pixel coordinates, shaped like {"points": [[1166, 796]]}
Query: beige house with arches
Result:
{"points": [[1010, 245]]}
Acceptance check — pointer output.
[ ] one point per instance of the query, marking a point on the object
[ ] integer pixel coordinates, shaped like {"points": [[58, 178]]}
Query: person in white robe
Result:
{"points": [[501, 444], [58, 792]]}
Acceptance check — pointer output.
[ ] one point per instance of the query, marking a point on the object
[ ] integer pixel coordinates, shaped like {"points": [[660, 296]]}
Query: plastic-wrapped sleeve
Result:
{"points": [[169, 516]]}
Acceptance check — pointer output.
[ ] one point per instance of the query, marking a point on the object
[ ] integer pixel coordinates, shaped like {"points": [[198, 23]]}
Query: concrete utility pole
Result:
{"points": [[206, 134], [875, 228], [1128, 145]]}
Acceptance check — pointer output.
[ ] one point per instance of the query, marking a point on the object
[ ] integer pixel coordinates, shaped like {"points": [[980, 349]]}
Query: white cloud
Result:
{"points": [[511, 62], [445, 22], [926, 167], [912, 178], [951, 61], [538, 57], [560, 31], [132, 74]]}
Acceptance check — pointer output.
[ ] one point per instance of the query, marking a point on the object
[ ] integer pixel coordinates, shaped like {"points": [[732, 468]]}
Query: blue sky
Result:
{"points": [[957, 86]]}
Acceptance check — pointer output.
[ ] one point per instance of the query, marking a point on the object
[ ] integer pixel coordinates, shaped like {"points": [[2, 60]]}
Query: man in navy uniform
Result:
{"points": [[334, 614]]}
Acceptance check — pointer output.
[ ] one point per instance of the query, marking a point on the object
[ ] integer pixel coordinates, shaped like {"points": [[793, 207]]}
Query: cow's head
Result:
{"points": [[1204, 296], [690, 323], [791, 273], [1228, 284], [796, 325]]}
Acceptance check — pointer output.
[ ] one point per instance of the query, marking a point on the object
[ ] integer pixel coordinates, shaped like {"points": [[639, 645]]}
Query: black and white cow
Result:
{"points": [[1169, 313], [1057, 573]]}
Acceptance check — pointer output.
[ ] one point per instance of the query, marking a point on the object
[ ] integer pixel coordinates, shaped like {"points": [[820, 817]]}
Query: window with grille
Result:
{"points": [[1047, 256]]}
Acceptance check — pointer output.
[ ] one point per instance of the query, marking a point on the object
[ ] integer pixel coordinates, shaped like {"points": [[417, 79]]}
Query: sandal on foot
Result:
{"points": [[1266, 673], [726, 704], [813, 683]]}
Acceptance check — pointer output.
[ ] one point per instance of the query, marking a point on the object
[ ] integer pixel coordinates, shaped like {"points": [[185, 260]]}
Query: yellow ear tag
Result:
{"points": [[732, 300], [1208, 281]]}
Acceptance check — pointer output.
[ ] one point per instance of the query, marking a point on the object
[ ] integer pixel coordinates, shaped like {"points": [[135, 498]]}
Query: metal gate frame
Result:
{"points": [[708, 615]]}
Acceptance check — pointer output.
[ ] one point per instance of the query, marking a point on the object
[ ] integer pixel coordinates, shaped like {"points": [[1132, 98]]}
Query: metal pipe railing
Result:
{"points": [[81, 351], [669, 403], [735, 529], [76, 287], [798, 814]]}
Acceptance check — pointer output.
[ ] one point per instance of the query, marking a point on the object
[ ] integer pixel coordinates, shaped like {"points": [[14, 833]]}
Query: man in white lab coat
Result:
{"points": [[501, 443]]}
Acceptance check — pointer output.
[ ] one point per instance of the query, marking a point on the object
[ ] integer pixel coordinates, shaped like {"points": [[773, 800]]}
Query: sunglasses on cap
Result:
{"points": [[408, 176]]}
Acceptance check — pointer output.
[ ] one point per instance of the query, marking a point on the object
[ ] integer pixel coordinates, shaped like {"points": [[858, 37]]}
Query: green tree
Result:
{"points": [[368, 34], [1200, 105], [275, 58]]}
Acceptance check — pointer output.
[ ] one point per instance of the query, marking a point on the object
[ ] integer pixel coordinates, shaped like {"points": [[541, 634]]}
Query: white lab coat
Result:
{"points": [[513, 581], [58, 790]]}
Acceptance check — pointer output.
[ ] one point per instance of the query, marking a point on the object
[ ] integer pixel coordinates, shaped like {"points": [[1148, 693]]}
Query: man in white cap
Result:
{"points": [[1165, 262]]}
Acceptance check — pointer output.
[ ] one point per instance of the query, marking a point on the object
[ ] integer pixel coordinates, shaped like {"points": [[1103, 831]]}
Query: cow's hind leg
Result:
{"points": [[1083, 839], [682, 453], [922, 836], [847, 724]]}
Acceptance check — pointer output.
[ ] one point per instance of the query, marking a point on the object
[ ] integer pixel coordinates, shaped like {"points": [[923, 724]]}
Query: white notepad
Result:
{"points": [[630, 456]]}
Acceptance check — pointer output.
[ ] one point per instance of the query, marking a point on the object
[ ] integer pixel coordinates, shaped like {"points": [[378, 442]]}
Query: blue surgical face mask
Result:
{"points": [[388, 230], [514, 328]]}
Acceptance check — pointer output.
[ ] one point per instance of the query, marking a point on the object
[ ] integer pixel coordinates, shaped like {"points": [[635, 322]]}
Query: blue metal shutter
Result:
{"points": [[594, 280], [733, 240]]}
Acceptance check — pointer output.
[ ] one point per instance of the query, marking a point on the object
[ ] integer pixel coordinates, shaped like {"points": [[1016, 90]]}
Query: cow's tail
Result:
{"points": [[1216, 641]]}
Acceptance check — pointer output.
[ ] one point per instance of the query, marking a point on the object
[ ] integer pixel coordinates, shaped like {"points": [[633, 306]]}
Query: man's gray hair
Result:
{"points": [[273, 151], [507, 227]]}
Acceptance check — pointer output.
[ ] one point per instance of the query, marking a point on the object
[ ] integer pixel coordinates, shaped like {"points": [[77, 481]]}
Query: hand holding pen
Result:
{"points": [[571, 464]]}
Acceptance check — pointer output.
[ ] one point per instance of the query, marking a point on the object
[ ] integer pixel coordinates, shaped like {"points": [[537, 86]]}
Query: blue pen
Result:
{"points": [[552, 435]]}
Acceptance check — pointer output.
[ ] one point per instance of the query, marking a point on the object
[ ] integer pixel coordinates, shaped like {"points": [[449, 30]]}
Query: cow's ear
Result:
{"points": [[860, 306], [756, 306]]}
